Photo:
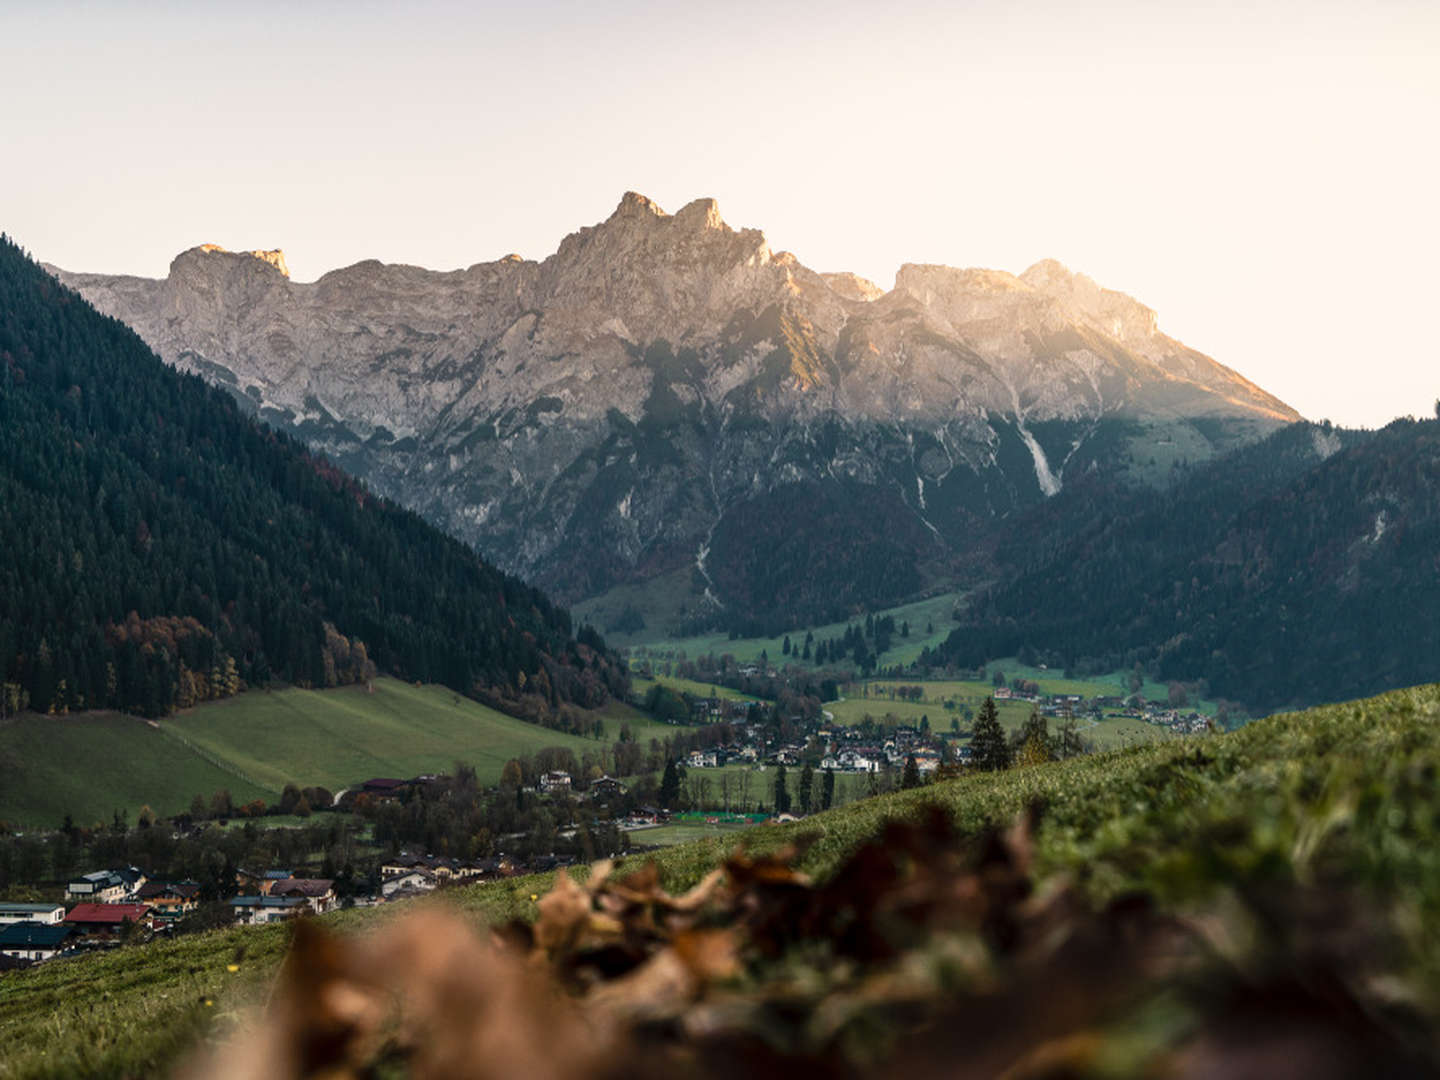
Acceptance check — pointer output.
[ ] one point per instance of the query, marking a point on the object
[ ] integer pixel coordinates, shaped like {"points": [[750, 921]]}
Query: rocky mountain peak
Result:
{"points": [[274, 258], [1121, 316], [635, 205]]}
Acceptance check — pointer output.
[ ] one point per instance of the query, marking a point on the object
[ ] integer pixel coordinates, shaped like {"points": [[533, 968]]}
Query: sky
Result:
{"points": [[1264, 174]]}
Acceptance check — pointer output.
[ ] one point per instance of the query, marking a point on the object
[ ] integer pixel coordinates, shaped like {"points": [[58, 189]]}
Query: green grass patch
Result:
{"points": [[341, 737], [670, 835], [934, 612], [93, 764], [690, 686]]}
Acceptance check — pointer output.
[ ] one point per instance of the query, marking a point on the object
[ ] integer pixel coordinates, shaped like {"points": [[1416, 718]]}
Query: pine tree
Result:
{"points": [[670, 785], [782, 796], [807, 789], [827, 790], [911, 777], [988, 748]]}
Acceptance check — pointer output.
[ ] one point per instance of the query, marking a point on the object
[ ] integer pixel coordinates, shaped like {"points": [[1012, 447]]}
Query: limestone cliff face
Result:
{"points": [[590, 418]]}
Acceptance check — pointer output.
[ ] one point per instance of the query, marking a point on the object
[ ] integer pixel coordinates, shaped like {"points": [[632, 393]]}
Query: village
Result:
{"points": [[748, 750]]}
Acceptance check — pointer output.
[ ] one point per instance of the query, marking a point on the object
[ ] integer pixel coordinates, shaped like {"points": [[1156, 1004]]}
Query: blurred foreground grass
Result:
{"points": [[1340, 798]]}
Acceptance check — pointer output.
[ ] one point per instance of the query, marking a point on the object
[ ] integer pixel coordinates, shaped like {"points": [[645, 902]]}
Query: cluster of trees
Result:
{"points": [[863, 647], [1033, 744], [814, 552], [793, 688], [454, 817], [177, 851], [154, 536]]}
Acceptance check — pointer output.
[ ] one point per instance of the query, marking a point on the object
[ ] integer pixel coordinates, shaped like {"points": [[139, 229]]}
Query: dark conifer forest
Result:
{"points": [[1303, 569], [158, 548]]}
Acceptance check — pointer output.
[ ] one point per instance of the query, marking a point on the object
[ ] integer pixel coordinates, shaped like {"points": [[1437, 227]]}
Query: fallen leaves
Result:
{"points": [[927, 952]]}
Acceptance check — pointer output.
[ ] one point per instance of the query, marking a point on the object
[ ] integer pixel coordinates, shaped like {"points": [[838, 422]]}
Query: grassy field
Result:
{"points": [[670, 835], [93, 764], [1335, 794], [257, 742], [689, 686], [340, 737], [1108, 734], [934, 612], [848, 786]]}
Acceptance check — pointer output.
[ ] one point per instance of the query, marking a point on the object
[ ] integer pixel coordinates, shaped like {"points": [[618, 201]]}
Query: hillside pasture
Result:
{"points": [[338, 738], [92, 764]]}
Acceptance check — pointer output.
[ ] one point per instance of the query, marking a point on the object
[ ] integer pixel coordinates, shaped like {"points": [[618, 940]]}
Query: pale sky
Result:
{"points": [[1265, 175]]}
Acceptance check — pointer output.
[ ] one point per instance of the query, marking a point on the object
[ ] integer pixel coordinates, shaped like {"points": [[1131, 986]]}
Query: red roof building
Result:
{"points": [[106, 920]]}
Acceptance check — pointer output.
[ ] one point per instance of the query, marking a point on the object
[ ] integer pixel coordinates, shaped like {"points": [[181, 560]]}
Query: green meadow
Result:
{"points": [[92, 764], [255, 743]]}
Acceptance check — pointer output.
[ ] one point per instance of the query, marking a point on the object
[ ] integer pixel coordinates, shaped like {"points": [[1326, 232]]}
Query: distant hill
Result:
{"points": [[664, 388], [160, 547], [1302, 569]]}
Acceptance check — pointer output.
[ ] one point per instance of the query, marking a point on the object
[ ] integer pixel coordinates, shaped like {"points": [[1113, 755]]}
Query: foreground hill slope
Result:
{"points": [[636, 401], [1304, 568], [1301, 851], [162, 548]]}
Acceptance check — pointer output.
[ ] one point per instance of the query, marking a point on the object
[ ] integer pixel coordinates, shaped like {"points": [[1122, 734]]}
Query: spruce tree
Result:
{"points": [[807, 789], [782, 796], [988, 748], [911, 777], [670, 786], [827, 790]]}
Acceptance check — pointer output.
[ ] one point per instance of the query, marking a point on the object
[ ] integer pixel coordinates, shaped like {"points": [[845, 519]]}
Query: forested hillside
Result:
{"points": [[160, 548], [1303, 569]]}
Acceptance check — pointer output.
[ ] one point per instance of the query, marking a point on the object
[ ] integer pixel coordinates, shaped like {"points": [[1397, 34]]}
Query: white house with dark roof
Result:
{"points": [[45, 914]]}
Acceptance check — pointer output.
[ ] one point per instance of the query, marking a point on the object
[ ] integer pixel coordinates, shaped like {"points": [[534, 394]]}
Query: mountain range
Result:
{"points": [[666, 398]]}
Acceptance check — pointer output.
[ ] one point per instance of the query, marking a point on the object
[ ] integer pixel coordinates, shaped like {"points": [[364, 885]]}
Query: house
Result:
{"points": [[413, 881], [46, 914], [607, 787], [271, 878], [35, 940], [170, 899], [106, 886], [105, 922], [555, 781], [258, 910], [318, 893]]}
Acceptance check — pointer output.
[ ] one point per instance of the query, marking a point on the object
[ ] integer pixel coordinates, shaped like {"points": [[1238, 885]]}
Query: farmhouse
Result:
{"points": [[46, 914], [318, 893], [105, 922], [106, 886], [606, 787], [258, 910], [409, 881], [170, 899], [555, 781], [34, 940]]}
